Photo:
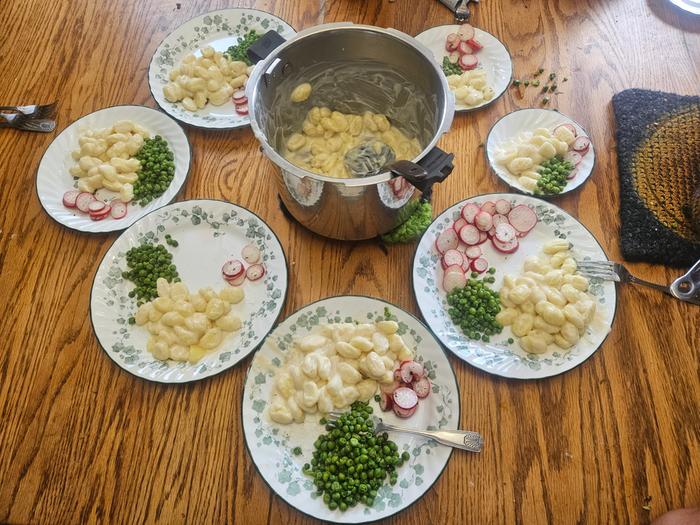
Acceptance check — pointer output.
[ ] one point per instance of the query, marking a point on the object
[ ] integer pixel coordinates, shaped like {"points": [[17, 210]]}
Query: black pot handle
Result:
{"points": [[263, 46], [433, 168]]}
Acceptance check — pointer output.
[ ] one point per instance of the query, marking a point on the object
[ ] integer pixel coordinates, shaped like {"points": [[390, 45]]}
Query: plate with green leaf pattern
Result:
{"points": [[207, 233], [271, 445], [220, 30], [501, 354]]}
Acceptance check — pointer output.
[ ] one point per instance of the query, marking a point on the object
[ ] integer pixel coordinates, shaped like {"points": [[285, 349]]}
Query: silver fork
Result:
{"points": [[462, 439], [25, 123], [34, 110], [612, 271]]}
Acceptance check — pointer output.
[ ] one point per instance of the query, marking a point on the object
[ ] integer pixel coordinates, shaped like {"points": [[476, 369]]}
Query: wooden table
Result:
{"points": [[616, 440]]}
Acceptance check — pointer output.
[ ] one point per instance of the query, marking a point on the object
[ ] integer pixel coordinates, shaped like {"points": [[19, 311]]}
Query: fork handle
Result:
{"points": [[462, 439], [637, 280]]}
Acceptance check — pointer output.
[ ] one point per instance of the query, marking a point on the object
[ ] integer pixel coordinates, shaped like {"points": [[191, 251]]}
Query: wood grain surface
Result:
{"points": [[83, 441]]}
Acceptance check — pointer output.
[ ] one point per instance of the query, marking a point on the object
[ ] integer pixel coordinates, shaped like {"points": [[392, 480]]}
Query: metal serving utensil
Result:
{"points": [[41, 111], [460, 8], [462, 439], [25, 123]]}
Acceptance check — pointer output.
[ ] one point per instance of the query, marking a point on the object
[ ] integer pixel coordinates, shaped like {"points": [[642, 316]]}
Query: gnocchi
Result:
{"points": [[471, 88], [548, 304], [185, 327], [334, 366]]}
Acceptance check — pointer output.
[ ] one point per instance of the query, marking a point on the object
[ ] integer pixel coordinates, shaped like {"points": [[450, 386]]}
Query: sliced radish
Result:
{"points": [[232, 268], [98, 216], [572, 174], [465, 32], [452, 257], [500, 219], [469, 212], [473, 252], [466, 263], [386, 401], [581, 144], [411, 371], [83, 200], [404, 413], [505, 247], [522, 218], [96, 206], [69, 198], [502, 206], [492, 231], [397, 379], [242, 109], [255, 272], [461, 247], [505, 233], [489, 207], [574, 157], [452, 42], [459, 224], [465, 49], [475, 44], [480, 265], [422, 387], [250, 253], [237, 281], [239, 96], [469, 235], [483, 221], [468, 62], [447, 240], [119, 209], [241, 102], [405, 398], [454, 280], [454, 57], [483, 237], [570, 127], [454, 268]]}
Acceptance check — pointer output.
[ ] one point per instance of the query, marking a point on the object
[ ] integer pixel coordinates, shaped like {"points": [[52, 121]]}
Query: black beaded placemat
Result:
{"points": [[658, 152]]}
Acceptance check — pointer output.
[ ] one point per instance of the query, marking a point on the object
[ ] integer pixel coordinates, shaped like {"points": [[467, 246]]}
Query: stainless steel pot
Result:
{"points": [[353, 68]]}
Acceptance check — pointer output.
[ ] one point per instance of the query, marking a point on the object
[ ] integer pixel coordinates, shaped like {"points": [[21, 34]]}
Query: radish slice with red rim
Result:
{"points": [[489, 207], [505, 247], [469, 235], [255, 272], [447, 240], [500, 219], [404, 413], [468, 62], [505, 232], [473, 252], [250, 253], [119, 209], [480, 265], [581, 144], [572, 174], [466, 263], [422, 387], [242, 109], [454, 280], [483, 237], [83, 200], [452, 42], [459, 224], [465, 32], [237, 281], [475, 44], [69, 198], [96, 206], [502, 206], [452, 257], [522, 218], [386, 401], [232, 268], [405, 398], [568, 126], [411, 371], [102, 214], [574, 157], [483, 221], [465, 48], [469, 212]]}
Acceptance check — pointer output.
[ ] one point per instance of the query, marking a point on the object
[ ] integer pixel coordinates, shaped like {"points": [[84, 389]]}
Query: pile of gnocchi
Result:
{"points": [[105, 158], [470, 88], [211, 77], [328, 135], [547, 307], [185, 326], [334, 366], [523, 155]]}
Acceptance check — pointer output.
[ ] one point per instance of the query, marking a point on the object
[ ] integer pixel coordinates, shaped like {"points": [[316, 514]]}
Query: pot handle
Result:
{"points": [[432, 169], [263, 46]]}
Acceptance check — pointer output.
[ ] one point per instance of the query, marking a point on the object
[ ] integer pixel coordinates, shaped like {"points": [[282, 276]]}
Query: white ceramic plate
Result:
{"points": [[208, 232], [692, 6], [509, 126], [499, 357], [493, 58], [220, 30], [53, 178], [270, 444]]}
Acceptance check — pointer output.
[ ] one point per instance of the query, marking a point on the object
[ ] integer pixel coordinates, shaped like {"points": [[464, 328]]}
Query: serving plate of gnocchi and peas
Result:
{"points": [[496, 280], [199, 72], [363, 358], [540, 152], [111, 167], [477, 65], [188, 291]]}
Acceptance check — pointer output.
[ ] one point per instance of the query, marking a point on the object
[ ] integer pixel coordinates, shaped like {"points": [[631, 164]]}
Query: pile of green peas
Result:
{"points": [[147, 263], [474, 308], [157, 170], [350, 463], [553, 176]]}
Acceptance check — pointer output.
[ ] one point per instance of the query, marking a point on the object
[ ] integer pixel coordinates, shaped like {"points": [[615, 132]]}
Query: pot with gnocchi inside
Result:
{"points": [[334, 108]]}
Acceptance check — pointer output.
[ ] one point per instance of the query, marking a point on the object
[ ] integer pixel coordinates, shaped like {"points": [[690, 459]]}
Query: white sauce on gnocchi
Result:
{"points": [[105, 158], [185, 326], [470, 88], [328, 135], [547, 307], [211, 77], [522, 155], [334, 366]]}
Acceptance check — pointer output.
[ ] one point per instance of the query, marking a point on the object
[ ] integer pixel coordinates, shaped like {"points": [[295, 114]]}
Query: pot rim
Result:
{"points": [[262, 66]]}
